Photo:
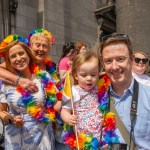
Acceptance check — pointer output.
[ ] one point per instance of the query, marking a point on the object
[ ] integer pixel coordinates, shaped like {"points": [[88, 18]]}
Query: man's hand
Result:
{"points": [[28, 85]]}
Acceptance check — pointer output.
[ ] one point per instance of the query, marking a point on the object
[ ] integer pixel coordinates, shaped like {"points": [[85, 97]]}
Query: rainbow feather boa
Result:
{"points": [[49, 114], [88, 142]]}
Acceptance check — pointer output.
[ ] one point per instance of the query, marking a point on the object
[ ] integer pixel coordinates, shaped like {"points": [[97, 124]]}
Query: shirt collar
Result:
{"points": [[128, 90]]}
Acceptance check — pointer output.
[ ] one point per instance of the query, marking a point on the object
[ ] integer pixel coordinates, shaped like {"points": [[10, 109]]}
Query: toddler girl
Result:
{"points": [[88, 117]]}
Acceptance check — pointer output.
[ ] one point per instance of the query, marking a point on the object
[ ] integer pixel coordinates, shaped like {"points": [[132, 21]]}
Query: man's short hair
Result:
{"points": [[115, 38]]}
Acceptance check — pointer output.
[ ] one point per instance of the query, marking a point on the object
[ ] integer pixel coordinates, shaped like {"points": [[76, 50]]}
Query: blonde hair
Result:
{"points": [[37, 36], [143, 53], [81, 59], [6, 56]]}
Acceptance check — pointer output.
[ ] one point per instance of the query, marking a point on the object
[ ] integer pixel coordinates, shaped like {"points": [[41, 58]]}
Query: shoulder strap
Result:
{"points": [[134, 103], [121, 127]]}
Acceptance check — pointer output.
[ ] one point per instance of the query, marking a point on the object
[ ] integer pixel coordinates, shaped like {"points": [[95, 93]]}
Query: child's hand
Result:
{"points": [[18, 121], [72, 120]]}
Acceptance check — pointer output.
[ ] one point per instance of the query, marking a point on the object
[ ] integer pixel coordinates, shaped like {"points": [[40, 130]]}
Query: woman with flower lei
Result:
{"points": [[40, 41], [95, 124], [28, 117]]}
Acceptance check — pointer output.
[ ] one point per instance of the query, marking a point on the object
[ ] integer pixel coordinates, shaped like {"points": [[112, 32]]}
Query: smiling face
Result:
{"points": [[87, 74], [117, 64], [18, 58], [139, 67], [40, 49]]}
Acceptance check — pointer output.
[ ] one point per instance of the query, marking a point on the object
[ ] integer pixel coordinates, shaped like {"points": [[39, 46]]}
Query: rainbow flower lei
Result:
{"points": [[11, 38], [53, 93], [88, 142], [41, 31]]}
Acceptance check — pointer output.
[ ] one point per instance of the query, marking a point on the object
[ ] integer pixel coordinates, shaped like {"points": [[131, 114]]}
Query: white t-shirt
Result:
{"points": [[144, 79]]}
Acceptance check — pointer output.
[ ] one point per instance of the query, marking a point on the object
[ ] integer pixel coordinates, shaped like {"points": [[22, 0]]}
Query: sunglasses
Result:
{"points": [[120, 36], [137, 60]]}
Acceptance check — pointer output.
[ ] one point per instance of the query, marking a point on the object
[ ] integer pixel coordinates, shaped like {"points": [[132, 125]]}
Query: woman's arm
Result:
{"points": [[4, 115], [64, 67], [57, 106], [7, 118], [62, 74], [13, 79]]}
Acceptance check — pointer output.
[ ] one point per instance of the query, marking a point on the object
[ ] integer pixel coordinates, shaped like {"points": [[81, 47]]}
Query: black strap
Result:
{"points": [[134, 103]]}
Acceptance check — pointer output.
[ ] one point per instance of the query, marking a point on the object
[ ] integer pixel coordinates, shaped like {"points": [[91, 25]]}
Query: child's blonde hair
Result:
{"points": [[81, 59]]}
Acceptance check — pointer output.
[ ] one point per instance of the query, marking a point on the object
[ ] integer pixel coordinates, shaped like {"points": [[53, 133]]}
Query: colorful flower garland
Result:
{"points": [[49, 114], [36, 31], [88, 142], [11, 38]]}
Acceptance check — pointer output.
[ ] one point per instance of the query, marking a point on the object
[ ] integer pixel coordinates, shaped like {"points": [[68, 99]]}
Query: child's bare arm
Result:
{"points": [[68, 117]]}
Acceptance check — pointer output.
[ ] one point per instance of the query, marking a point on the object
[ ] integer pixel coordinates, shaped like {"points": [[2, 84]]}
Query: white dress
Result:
{"points": [[32, 135], [86, 108]]}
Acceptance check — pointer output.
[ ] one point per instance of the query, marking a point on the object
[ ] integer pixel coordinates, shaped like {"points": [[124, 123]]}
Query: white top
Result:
{"points": [[86, 108], [144, 79]]}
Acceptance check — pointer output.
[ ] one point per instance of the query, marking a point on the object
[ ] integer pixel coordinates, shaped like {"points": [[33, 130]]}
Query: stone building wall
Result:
{"points": [[133, 19], [67, 20]]}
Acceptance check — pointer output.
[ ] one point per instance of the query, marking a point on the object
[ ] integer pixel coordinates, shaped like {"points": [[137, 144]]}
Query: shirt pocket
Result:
{"points": [[142, 126]]}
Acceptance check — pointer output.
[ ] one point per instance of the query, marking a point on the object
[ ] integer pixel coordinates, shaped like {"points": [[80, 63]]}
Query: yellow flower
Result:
{"points": [[50, 91], [100, 82], [110, 115], [33, 110], [51, 116], [46, 32], [9, 39], [89, 138]]}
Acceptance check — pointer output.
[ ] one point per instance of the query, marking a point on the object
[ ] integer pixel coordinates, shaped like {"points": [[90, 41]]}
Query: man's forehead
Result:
{"points": [[115, 49]]}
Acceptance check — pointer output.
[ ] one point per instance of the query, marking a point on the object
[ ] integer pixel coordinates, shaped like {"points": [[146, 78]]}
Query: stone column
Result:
{"points": [[133, 19]]}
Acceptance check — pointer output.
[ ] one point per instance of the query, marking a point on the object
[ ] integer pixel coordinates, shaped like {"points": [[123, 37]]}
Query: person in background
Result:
{"points": [[27, 117], [69, 52], [81, 47], [140, 67], [116, 55]]}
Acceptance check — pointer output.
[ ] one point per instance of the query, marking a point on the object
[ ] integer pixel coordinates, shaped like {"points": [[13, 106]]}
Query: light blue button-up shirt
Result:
{"points": [[141, 134]]}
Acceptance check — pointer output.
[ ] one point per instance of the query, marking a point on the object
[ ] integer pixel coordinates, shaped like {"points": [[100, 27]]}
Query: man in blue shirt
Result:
{"points": [[116, 53]]}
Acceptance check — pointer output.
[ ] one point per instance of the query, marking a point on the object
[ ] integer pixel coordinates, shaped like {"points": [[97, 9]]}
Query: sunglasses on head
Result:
{"points": [[120, 36], [137, 60]]}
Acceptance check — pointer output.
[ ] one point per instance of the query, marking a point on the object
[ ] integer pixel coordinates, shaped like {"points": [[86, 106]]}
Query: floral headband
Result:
{"points": [[41, 31], [12, 38]]}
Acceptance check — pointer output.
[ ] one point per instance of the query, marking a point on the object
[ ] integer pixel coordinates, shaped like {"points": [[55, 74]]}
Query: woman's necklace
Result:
{"points": [[53, 94], [108, 136]]}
